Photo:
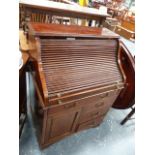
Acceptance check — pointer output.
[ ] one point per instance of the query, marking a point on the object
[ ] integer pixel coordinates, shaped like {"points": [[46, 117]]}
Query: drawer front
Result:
{"points": [[90, 102], [90, 124], [59, 108], [90, 115], [99, 97], [99, 102], [97, 109]]}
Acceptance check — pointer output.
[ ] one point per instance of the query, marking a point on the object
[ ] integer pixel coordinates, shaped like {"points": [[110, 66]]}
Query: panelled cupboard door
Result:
{"points": [[61, 124]]}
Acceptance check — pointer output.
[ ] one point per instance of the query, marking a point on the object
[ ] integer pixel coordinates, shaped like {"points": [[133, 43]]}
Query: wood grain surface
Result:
{"points": [[79, 76]]}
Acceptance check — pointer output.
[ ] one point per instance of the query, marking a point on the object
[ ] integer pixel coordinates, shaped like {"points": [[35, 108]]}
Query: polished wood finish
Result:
{"points": [[77, 77], [128, 25], [41, 29], [61, 124], [126, 99], [126, 33]]}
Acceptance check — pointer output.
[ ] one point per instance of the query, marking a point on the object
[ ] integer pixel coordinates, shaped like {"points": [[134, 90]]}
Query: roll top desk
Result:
{"points": [[77, 77]]}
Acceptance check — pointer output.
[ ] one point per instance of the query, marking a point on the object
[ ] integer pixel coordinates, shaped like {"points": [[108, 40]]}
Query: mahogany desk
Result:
{"points": [[89, 118], [77, 77]]}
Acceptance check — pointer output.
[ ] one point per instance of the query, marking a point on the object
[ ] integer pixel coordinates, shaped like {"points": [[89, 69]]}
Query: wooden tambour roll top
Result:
{"points": [[75, 63]]}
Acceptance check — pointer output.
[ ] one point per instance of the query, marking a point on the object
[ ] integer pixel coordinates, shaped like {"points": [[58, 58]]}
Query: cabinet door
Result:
{"points": [[61, 124]]}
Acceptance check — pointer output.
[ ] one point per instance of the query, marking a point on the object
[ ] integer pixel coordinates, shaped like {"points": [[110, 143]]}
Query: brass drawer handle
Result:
{"points": [[59, 102], [70, 106], [99, 104]]}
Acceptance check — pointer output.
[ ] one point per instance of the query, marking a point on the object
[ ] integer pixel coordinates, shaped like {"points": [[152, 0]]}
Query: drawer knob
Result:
{"points": [[58, 94], [59, 102]]}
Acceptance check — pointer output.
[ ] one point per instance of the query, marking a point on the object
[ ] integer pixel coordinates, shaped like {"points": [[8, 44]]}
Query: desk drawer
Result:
{"points": [[90, 115], [63, 107], [90, 124], [99, 102], [97, 109], [88, 103]]}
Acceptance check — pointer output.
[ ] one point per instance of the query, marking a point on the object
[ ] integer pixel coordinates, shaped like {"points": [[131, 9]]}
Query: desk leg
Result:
{"points": [[128, 116]]}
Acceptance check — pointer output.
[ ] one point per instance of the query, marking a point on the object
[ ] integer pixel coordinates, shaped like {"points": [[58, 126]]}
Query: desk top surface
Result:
{"points": [[41, 29]]}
